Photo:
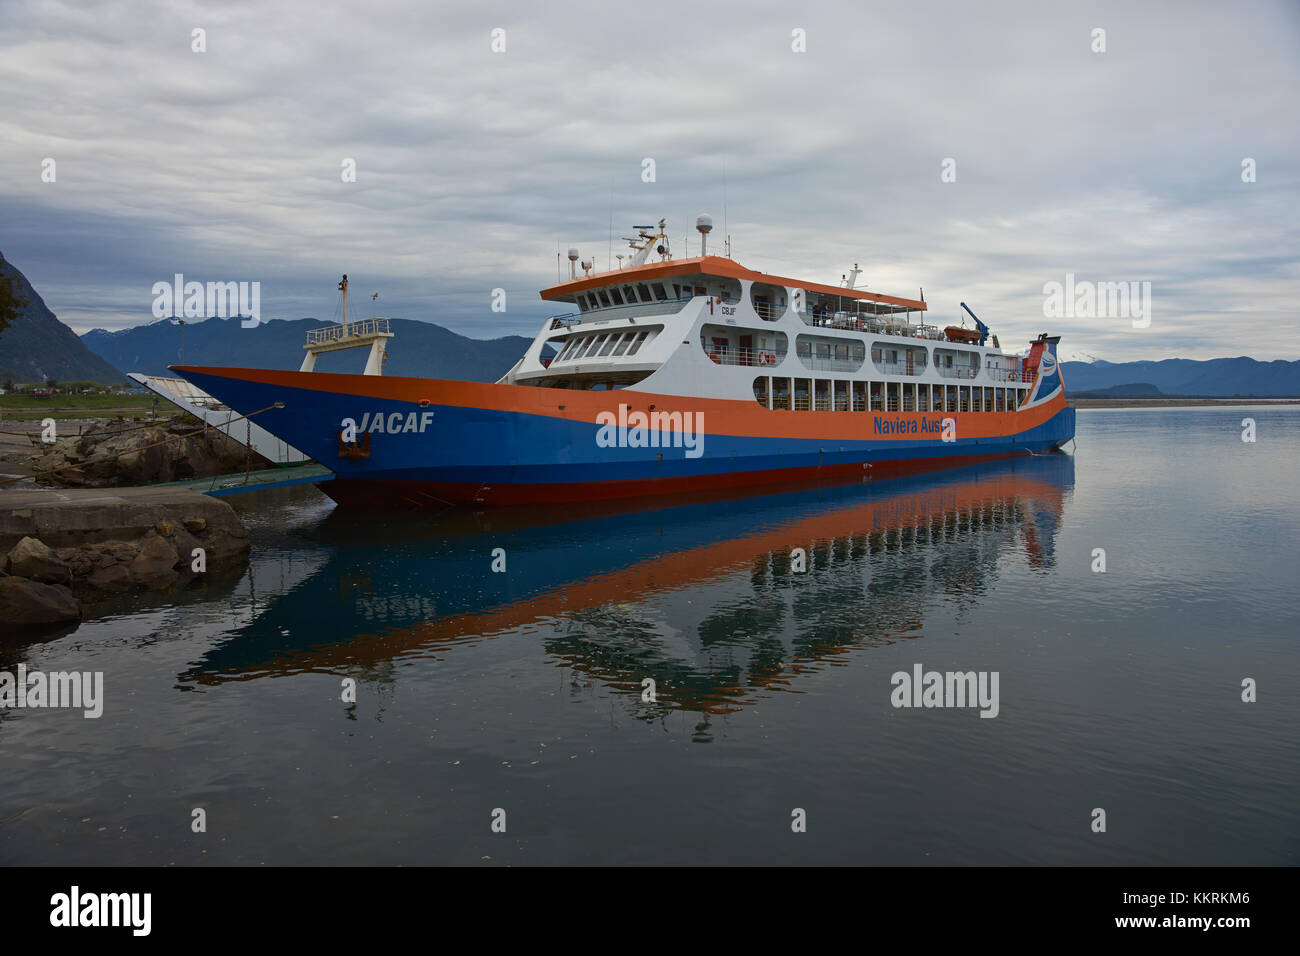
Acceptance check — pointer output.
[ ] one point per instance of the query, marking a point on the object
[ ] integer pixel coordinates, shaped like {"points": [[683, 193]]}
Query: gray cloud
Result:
{"points": [[473, 166]]}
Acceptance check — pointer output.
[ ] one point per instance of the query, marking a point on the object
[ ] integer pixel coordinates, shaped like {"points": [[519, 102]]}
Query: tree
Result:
{"points": [[11, 303]]}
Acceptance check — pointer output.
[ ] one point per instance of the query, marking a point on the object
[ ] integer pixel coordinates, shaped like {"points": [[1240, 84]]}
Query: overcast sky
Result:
{"points": [[473, 166]]}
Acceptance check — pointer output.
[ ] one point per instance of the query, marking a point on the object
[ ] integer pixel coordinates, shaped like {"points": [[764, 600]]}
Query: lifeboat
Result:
{"points": [[956, 333]]}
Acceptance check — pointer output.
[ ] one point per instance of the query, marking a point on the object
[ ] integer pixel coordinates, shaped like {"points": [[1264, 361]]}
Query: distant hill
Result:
{"points": [[38, 347], [417, 349], [1140, 390], [1214, 378]]}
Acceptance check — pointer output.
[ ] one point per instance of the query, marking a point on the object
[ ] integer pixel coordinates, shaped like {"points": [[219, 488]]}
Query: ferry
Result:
{"points": [[666, 375]]}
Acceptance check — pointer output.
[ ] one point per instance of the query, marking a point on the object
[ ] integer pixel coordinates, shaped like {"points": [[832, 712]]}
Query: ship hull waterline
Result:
{"points": [[442, 442]]}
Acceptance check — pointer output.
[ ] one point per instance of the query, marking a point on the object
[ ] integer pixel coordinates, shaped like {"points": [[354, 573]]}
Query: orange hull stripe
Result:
{"points": [[742, 419]]}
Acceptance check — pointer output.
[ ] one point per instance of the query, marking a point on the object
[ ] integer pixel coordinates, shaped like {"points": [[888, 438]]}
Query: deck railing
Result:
{"points": [[729, 355], [958, 371], [1020, 375], [879, 324], [899, 368], [820, 363], [353, 330]]}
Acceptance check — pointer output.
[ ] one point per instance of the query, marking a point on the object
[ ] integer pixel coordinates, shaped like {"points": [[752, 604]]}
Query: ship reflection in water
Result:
{"points": [[717, 602]]}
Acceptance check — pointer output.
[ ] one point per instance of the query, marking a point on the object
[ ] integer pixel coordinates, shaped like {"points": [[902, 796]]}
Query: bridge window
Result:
{"points": [[660, 294], [636, 343], [623, 343], [609, 346], [643, 292], [615, 295], [604, 298]]}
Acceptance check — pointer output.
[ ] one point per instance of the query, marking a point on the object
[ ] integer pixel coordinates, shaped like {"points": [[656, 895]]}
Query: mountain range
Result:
{"points": [[1214, 378], [424, 349], [37, 347], [428, 350], [417, 348]]}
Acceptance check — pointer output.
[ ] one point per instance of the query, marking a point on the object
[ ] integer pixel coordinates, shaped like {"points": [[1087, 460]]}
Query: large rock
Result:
{"points": [[126, 453], [69, 519], [114, 577], [32, 558], [102, 543], [24, 602], [155, 566], [121, 540]]}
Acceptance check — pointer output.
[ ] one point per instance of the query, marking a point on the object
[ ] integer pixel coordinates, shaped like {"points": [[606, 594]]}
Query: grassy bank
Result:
{"points": [[14, 406]]}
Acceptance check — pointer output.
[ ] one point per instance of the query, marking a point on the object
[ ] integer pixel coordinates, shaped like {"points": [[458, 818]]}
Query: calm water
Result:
{"points": [[522, 690]]}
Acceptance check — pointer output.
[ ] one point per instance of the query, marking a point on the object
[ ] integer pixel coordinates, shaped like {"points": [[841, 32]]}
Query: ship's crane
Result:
{"points": [[984, 329]]}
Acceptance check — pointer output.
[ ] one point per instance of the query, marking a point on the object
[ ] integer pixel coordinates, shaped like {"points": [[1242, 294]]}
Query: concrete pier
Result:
{"points": [[63, 548]]}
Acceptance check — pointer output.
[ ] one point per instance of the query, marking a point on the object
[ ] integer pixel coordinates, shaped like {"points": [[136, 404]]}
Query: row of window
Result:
{"points": [[642, 292], [602, 344], [943, 358], [839, 351], [803, 394], [915, 359], [646, 293]]}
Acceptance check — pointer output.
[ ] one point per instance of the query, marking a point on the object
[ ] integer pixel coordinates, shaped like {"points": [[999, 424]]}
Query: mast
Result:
{"points": [[343, 287]]}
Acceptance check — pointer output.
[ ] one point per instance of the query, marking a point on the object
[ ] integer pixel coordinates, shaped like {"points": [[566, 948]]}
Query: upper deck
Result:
{"points": [[666, 288], [692, 323], [720, 270]]}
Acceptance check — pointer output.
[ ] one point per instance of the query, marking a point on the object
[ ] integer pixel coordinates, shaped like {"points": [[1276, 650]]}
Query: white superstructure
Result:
{"points": [[707, 327]]}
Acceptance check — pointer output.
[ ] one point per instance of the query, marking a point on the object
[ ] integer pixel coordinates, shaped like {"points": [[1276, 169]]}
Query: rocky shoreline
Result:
{"points": [[67, 551], [126, 453]]}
